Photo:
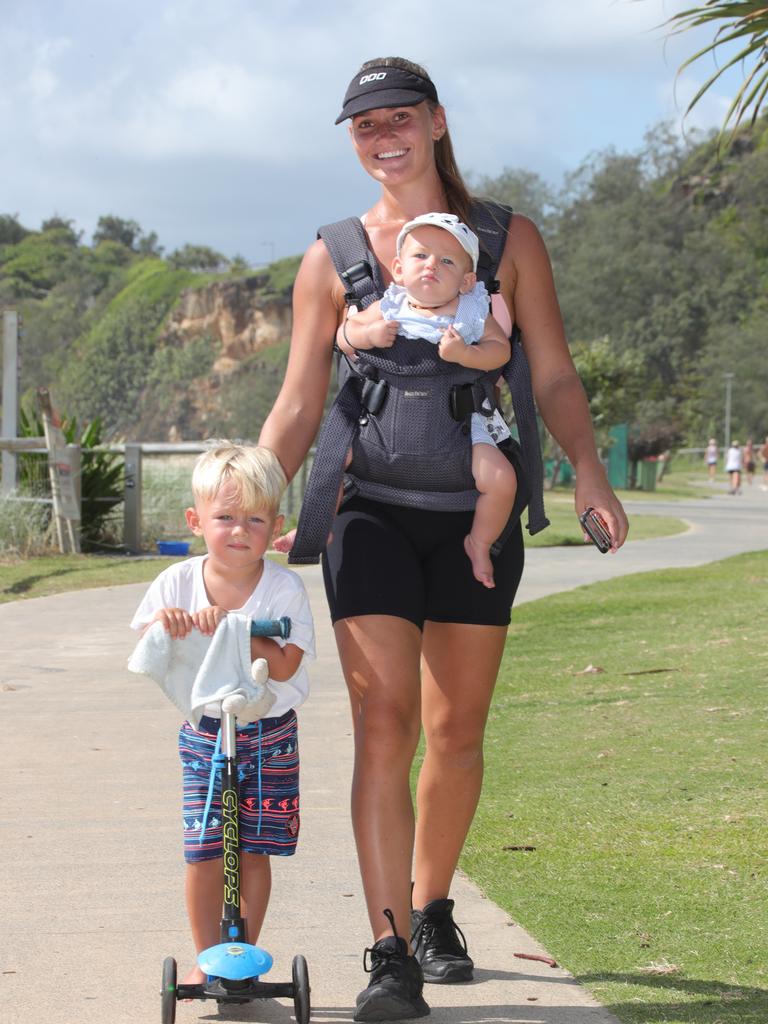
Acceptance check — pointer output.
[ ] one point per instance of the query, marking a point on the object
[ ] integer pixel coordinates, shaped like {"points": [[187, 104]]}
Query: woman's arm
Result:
{"points": [[293, 422], [529, 289]]}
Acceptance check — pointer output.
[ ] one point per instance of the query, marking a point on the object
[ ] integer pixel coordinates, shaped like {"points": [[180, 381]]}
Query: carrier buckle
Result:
{"points": [[352, 276], [373, 396], [465, 399]]}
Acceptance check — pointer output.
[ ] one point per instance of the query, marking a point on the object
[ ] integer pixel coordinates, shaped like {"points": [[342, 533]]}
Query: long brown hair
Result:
{"points": [[456, 192]]}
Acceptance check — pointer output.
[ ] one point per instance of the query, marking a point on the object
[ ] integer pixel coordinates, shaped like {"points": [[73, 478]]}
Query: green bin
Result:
{"points": [[648, 474]]}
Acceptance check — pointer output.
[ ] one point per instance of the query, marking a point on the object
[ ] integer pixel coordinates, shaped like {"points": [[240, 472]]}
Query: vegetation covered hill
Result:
{"points": [[660, 259]]}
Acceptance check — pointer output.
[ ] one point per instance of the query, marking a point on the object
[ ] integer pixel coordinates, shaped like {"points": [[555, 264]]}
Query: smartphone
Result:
{"points": [[596, 529]]}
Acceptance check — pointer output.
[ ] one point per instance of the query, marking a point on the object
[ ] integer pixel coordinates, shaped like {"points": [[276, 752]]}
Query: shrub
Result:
{"points": [[102, 473], [24, 528]]}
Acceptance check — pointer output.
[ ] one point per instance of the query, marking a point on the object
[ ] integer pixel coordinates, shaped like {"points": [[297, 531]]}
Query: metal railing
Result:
{"points": [[156, 492]]}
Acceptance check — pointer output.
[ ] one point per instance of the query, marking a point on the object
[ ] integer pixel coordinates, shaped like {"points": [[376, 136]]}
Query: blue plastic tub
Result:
{"points": [[172, 547]]}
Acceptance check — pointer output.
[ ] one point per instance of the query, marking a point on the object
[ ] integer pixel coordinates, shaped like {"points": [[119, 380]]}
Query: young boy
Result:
{"points": [[237, 491], [436, 296]]}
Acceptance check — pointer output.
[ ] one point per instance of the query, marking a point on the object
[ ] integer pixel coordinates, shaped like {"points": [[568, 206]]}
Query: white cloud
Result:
{"points": [[145, 109]]}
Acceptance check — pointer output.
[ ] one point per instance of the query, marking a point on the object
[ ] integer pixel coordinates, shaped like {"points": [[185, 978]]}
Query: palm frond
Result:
{"points": [[743, 23]]}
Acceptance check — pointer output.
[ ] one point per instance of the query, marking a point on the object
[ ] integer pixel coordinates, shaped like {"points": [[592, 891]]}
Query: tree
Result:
{"points": [[525, 191], [198, 257], [11, 231], [65, 229], [115, 229], [743, 25]]}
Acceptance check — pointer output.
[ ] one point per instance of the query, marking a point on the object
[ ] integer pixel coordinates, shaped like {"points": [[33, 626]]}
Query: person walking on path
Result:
{"points": [[764, 457], [710, 457], [749, 460], [420, 640], [733, 466]]}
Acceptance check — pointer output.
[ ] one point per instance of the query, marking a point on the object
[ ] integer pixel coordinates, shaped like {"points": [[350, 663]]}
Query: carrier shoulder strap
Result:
{"points": [[492, 223], [356, 265]]}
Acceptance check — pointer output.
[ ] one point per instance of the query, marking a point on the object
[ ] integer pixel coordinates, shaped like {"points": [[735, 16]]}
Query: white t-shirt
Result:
{"points": [[279, 592], [733, 460]]}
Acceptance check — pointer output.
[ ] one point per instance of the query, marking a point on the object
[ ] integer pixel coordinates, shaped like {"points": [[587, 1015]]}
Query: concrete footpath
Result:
{"points": [[90, 862]]}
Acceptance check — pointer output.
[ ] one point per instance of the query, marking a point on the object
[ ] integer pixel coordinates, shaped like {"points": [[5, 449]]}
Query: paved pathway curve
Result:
{"points": [[90, 867]]}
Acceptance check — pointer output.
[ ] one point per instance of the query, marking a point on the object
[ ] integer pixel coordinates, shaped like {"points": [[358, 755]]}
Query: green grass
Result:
{"points": [[56, 574], [564, 529], [642, 789]]}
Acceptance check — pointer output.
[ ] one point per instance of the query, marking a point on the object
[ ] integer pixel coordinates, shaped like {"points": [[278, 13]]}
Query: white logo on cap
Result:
{"points": [[373, 78]]}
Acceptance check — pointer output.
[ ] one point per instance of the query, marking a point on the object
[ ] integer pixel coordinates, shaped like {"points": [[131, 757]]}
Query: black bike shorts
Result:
{"points": [[411, 563]]}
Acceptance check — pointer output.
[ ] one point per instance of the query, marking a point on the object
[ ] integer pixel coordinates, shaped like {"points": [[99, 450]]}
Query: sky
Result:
{"points": [[212, 123]]}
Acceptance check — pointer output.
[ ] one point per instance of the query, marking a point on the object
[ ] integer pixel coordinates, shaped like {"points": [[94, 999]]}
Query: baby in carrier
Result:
{"points": [[436, 296]]}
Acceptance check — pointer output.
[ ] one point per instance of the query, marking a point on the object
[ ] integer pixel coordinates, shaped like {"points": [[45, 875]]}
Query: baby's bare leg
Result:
{"points": [[496, 480]]}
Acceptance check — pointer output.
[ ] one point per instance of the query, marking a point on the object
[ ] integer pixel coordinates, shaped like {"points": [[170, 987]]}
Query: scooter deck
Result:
{"points": [[244, 991]]}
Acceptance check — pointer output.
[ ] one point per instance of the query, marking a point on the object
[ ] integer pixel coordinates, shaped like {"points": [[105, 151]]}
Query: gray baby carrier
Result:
{"points": [[405, 412]]}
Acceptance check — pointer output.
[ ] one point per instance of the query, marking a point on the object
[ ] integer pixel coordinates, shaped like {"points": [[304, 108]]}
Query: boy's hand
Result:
{"points": [[451, 346], [207, 619], [382, 333], [177, 622]]}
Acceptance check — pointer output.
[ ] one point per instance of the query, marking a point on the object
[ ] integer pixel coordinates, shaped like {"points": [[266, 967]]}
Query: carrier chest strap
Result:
{"points": [[325, 478]]}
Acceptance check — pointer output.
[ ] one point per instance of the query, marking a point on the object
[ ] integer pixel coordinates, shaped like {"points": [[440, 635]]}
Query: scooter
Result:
{"points": [[234, 966]]}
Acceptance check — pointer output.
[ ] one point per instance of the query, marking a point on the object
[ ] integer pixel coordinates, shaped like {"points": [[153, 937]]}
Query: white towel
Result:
{"points": [[202, 670]]}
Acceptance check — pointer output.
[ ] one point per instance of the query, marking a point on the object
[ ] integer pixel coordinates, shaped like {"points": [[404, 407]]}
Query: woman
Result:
{"points": [[432, 659]]}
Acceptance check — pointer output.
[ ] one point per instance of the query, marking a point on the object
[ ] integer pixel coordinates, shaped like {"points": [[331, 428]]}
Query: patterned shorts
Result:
{"points": [[269, 797]]}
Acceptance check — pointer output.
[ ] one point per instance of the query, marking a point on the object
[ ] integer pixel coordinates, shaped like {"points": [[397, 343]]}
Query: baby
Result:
{"points": [[436, 296]]}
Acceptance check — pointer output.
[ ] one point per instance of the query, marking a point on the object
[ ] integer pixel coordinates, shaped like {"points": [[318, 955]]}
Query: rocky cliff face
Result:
{"points": [[240, 317]]}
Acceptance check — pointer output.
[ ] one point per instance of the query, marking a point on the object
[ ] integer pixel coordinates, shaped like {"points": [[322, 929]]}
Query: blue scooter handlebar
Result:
{"points": [[271, 627]]}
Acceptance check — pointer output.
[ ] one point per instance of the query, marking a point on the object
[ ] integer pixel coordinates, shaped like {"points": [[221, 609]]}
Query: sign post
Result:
{"points": [[64, 474]]}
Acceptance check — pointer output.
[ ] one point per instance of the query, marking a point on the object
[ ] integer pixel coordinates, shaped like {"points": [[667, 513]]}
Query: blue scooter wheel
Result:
{"points": [[168, 992], [301, 990]]}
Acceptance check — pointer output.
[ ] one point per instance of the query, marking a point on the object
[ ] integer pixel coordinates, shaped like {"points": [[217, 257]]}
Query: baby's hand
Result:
{"points": [[382, 333], [207, 619], [177, 622], [451, 346]]}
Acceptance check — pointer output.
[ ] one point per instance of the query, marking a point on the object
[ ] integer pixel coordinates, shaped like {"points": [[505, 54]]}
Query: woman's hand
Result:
{"points": [[594, 491]]}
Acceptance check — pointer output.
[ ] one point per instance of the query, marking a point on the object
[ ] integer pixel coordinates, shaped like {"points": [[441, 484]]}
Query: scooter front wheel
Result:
{"points": [[301, 990], [168, 992]]}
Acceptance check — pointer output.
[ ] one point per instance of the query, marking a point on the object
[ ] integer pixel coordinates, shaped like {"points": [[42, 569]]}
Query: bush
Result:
{"points": [[24, 528], [101, 479]]}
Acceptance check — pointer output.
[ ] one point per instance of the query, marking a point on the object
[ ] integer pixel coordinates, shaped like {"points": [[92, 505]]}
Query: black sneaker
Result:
{"points": [[394, 991], [439, 944]]}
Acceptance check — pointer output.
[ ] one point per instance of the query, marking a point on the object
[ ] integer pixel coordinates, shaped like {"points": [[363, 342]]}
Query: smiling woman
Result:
{"points": [[419, 635]]}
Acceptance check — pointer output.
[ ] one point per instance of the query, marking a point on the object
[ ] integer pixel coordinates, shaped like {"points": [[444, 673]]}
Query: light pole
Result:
{"points": [[271, 251], [728, 386]]}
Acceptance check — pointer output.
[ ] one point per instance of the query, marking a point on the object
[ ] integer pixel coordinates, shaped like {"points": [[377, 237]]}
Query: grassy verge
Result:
{"points": [[564, 529], [55, 574], [623, 816]]}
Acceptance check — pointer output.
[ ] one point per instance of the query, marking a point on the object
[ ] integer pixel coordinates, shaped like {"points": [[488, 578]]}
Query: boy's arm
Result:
{"points": [[177, 622], [283, 661], [489, 353]]}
